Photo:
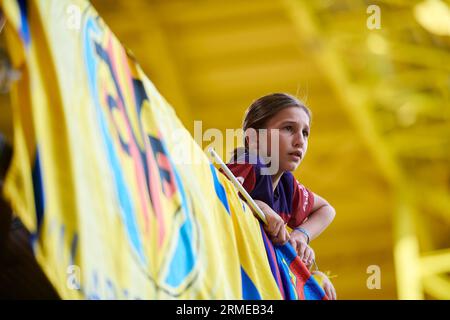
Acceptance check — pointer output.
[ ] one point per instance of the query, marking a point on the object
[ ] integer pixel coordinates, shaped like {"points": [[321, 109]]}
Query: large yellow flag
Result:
{"points": [[120, 201]]}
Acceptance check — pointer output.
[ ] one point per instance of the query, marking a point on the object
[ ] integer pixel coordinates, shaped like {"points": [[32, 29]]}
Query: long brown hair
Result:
{"points": [[264, 108]]}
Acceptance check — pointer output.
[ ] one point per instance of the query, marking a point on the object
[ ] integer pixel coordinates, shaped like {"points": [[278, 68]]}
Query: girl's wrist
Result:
{"points": [[303, 238], [304, 233]]}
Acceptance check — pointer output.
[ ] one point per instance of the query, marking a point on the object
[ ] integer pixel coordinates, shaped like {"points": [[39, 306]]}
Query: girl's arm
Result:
{"points": [[321, 216]]}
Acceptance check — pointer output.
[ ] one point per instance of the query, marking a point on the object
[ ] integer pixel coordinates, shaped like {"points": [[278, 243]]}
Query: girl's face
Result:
{"points": [[292, 124]]}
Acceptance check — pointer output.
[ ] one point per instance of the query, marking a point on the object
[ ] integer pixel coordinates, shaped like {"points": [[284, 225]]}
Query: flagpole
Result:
{"points": [[239, 186]]}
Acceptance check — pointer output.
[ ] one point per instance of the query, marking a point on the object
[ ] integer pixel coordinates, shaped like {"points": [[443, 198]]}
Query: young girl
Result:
{"points": [[279, 195]]}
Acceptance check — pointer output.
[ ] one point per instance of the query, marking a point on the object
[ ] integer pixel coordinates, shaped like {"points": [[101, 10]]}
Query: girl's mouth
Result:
{"points": [[297, 155]]}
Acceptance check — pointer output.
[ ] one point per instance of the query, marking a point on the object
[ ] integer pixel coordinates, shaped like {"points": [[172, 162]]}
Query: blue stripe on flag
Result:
{"points": [[24, 28], [284, 259], [38, 189], [249, 291], [220, 191], [312, 290], [184, 257]]}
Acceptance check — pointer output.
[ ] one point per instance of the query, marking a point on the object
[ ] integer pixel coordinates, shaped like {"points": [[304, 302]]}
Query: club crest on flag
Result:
{"points": [[156, 210]]}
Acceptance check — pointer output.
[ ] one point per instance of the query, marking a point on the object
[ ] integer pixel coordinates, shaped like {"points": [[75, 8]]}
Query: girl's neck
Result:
{"points": [[275, 179]]}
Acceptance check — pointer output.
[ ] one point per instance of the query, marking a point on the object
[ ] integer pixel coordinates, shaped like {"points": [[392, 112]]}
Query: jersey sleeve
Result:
{"points": [[302, 204]]}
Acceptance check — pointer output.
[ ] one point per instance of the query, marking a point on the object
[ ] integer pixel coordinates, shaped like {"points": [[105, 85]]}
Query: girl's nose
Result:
{"points": [[299, 140]]}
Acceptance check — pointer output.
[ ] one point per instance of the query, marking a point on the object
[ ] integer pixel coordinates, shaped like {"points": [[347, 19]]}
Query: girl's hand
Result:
{"points": [[305, 252], [276, 228], [326, 285], [275, 225]]}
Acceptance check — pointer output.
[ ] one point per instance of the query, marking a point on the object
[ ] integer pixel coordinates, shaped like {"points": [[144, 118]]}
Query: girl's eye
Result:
{"points": [[305, 133], [289, 128]]}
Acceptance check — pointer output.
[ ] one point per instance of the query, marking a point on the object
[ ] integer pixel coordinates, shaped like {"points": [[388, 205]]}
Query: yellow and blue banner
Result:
{"points": [[96, 176]]}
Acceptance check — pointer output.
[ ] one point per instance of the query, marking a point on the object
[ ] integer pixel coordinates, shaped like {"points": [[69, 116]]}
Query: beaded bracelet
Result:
{"points": [[302, 230]]}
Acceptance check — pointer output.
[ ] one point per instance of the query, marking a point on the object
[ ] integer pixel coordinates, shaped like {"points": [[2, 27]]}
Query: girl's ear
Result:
{"points": [[251, 138]]}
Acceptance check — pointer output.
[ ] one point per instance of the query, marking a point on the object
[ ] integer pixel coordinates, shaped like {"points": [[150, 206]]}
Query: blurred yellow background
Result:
{"points": [[376, 76]]}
